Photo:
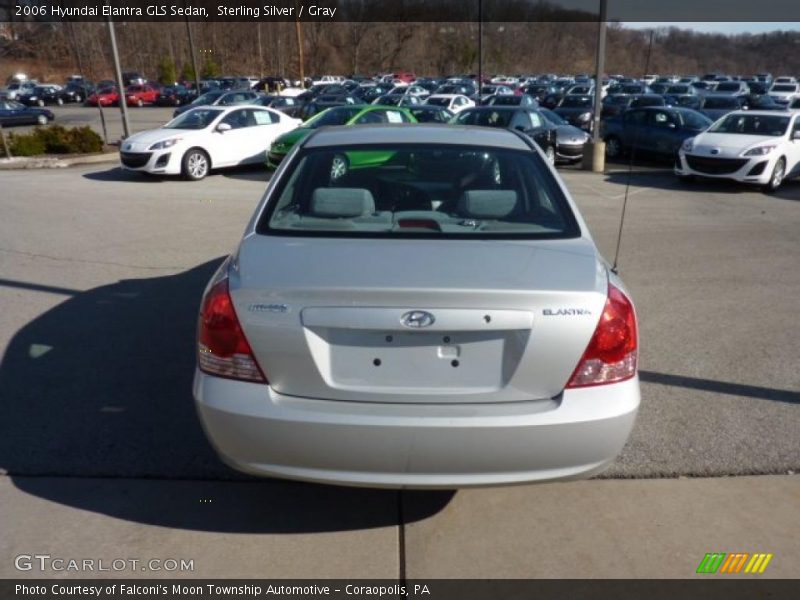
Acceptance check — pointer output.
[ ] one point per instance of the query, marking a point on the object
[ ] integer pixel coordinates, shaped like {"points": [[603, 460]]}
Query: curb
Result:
{"points": [[53, 162]]}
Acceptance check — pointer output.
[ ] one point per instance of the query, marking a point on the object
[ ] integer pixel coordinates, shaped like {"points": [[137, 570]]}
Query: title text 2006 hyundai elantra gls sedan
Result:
{"points": [[417, 306]]}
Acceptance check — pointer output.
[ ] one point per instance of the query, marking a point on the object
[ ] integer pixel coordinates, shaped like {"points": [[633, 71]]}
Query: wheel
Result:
{"points": [[339, 167], [60, 101], [41, 120], [778, 174], [196, 164], [613, 147], [140, 103], [550, 154], [78, 98], [40, 102]]}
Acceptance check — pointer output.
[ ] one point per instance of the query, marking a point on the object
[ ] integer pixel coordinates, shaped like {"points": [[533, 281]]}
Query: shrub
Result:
{"points": [[26, 145], [55, 140]]}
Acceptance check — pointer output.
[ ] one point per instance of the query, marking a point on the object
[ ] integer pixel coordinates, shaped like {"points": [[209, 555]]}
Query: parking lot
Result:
{"points": [[101, 273]]}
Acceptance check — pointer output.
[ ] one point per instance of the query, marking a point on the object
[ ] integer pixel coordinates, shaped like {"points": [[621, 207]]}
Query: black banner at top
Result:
{"points": [[784, 11]]}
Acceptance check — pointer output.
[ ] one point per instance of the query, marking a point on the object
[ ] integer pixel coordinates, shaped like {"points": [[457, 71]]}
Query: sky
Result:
{"points": [[721, 27]]}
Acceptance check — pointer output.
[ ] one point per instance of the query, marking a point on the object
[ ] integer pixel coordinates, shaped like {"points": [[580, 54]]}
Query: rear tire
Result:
{"points": [[41, 120], [60, 101], [40, 102], [195, 164], [778, 175], [78, 99], [139, 103]]}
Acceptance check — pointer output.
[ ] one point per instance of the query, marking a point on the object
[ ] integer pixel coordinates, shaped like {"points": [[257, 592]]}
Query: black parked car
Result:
{"points": [[77, 92], [42, 95], [715, 107], [15, 113], [577, 110], [658, 130], [175, 95], [326, 101], [761, 102], [526, 120]]}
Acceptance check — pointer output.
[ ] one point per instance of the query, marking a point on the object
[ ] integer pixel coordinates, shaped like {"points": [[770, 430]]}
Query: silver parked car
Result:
{"points": [[417, 306]]}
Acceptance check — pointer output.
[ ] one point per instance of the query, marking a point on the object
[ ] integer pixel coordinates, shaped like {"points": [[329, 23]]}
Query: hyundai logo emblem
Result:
{"points": [[127, 147], [417, 319]]}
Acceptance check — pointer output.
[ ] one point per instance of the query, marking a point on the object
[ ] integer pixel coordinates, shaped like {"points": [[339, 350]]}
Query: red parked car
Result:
{"points": [[404, 76], [104, 97], [139, 95]]}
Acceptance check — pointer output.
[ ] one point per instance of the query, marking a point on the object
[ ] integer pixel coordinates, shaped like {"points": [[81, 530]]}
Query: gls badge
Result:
{"points": [[566, 312]]}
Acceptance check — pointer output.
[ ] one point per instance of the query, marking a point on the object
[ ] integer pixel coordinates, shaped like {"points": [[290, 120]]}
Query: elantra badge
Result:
{"points": [[417, 319]]}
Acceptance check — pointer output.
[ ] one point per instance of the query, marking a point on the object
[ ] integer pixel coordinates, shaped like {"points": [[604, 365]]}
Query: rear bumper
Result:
{"points": [[261, 432]]}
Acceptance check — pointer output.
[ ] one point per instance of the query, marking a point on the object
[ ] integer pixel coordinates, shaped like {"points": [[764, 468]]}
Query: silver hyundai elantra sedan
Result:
{"points": [[417, 306]]}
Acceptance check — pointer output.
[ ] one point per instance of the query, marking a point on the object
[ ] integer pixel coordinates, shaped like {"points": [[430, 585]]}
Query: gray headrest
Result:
{"points": [[341, 202], [487, 204]]}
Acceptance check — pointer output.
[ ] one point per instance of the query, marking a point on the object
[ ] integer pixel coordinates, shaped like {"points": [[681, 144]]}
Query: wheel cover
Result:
{"points": [[338, 167], [551, 155], [198, 165], [777, 175]]}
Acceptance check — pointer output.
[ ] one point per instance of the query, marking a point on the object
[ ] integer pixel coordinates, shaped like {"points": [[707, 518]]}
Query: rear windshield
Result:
{"points": [[419, 191], [334, 116], [752, 125], [728, 87], [784, 88], [439, 101]]}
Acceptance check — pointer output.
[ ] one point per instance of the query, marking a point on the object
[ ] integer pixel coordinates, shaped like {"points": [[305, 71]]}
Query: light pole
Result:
{"points": [[594, 154], [123, 105]]}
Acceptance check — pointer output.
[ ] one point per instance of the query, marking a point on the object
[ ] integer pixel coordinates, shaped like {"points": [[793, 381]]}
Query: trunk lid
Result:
{"points": [[432, 321]]}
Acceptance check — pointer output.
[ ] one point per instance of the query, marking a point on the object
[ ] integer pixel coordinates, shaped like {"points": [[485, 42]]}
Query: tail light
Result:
{"points": [[612, 353], [222, 348]]}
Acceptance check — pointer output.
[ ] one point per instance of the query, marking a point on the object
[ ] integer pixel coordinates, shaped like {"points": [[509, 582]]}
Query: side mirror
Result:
{"points": [[520, 128], [223, 127]]}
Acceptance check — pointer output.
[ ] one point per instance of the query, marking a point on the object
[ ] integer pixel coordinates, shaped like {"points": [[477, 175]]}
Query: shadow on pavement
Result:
{"points": [[117, 174], [95, 394], [665, 179], [247, 173]]}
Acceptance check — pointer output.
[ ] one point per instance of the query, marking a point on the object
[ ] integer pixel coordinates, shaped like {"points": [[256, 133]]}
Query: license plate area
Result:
{"points": [[420, 362]]}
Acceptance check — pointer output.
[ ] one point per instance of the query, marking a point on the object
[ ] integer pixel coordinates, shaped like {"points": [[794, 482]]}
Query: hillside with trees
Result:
{"points": [[48, 51]]}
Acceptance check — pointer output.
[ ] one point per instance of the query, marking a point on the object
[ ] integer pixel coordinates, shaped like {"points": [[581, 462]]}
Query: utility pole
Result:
{"points": [[594, 154], [123, 105], [480, 45], [260, 52], [193, 55], [299, 32]]}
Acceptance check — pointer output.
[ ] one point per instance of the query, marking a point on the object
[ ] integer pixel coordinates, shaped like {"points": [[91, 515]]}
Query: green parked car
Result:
{"points": [[342, 115]]}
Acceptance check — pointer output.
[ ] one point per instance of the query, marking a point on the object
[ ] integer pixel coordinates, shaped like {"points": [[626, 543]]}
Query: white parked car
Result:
{"points": [[758, 147], [410, 90], [783, 93], [455, 103], [328, 79], [205, 138]]}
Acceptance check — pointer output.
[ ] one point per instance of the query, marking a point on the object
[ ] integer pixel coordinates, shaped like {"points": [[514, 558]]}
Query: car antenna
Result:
{"points": [[615, 267]]}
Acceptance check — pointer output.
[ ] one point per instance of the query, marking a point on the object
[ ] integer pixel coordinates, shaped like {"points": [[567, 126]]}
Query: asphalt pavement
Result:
{"points": [[101, 273]]}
